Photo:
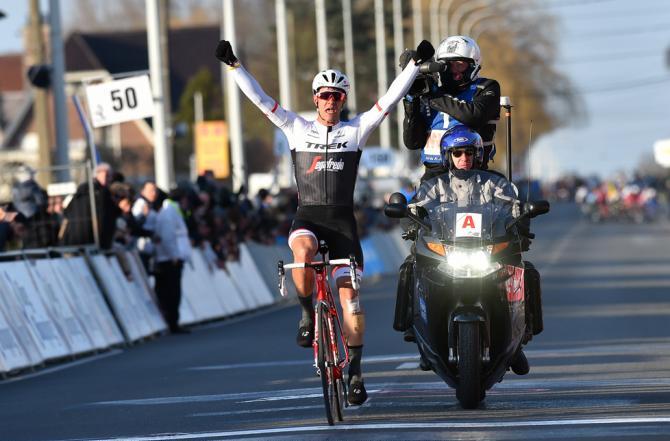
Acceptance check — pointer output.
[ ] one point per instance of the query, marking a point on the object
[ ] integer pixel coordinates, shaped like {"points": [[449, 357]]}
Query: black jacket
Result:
{"points": [[481, 114]]}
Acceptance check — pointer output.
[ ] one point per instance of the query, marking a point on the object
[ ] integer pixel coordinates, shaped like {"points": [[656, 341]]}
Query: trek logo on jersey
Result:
{"points": [[319, 165], [337, 145]]}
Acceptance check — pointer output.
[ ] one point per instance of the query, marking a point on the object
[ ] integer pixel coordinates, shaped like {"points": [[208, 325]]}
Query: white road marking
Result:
{"points": [[374, 388], [395, 426], [244, 412], [407, 365], [306, 361]]}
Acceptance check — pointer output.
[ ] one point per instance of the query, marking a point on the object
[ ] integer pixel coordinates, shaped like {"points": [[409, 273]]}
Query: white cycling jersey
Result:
{"points": [[325, 159]]}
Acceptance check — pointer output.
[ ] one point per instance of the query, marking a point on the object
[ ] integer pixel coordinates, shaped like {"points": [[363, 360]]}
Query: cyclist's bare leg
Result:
{"points": [[353, 317], [353, 323], [304, 249]]}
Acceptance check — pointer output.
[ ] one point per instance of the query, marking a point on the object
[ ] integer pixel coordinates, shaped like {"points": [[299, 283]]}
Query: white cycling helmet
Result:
{"points": [[460, 47], [330, 78]]}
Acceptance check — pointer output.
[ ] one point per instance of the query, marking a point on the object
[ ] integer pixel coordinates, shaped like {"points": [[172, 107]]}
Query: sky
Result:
{"points": [[614, 51]]}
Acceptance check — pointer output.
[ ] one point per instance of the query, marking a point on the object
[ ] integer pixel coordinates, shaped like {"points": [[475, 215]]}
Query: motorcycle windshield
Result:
{"points": [[469, 226]]}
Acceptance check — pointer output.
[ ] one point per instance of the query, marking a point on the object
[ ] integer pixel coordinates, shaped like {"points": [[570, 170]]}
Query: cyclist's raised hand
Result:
{"points": [[224, 53], [408, 54], [424, 52]]}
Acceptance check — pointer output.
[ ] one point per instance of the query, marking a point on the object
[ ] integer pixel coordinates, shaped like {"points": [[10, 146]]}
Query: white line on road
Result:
{"points": [[395, 426], [374, 388], [266, 364]]}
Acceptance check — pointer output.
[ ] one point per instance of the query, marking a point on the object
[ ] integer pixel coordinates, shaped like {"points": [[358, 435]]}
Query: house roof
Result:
{"points": [[190, 49], [12, 78]]}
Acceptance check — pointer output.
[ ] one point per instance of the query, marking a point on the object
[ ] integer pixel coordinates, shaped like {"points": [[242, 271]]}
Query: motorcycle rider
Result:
{"points": [[325, 154], [462, 98], [462, 151]]}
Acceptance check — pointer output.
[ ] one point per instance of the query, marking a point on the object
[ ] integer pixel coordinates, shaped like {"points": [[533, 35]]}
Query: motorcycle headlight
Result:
{"points": [[469, 263]]}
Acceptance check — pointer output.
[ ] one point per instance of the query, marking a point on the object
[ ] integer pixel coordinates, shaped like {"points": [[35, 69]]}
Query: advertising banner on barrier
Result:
{"points": [[198, 286], [239, 280], [12, 355], [20, 327], [80, 302], [228, 293], [19, 284], [86, 289], [134, 306], [123, 309], [143, 290], [137, 308], [56, 302], [254, 278]]}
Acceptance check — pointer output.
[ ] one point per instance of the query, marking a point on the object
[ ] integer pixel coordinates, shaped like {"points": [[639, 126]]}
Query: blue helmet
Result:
{"points": [[461, 137]]}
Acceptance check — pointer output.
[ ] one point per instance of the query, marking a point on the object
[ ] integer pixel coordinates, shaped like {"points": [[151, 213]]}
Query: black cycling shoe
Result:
{"points": [[305, 336], [356, 395], [520, 364]]}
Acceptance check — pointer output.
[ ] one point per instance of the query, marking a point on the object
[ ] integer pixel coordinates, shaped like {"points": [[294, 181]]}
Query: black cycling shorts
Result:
{"points": [[335, 225]]}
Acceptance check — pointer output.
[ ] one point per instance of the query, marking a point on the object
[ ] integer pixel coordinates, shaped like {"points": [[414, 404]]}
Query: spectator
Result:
{"points": [[32, 202], [77, 228], [145, 214], [173, 248]]}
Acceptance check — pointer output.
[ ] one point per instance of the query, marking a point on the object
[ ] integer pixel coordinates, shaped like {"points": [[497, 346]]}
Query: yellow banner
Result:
{"points": [[211, 148]]}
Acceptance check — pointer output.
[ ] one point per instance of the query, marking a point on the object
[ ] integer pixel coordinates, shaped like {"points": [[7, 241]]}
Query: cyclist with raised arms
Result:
{"points": [[326, 153]]}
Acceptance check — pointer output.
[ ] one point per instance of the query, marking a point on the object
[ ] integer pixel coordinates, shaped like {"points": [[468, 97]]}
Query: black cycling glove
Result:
{"points": [[224, 53]]}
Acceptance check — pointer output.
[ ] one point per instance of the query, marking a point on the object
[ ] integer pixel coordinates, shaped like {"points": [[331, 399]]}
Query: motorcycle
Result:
{"points": [[468, 293]]}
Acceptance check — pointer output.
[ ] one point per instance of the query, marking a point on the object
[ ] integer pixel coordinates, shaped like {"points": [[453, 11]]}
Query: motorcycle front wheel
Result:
{"points": [[469, 389]]}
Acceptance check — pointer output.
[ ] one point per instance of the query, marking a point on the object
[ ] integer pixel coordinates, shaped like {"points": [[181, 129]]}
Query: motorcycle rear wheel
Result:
{"points": [[469, 389]]}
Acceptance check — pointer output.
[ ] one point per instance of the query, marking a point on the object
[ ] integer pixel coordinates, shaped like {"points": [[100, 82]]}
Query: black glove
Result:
{"points": [[424, 52], [408, 54], [224, 53]]}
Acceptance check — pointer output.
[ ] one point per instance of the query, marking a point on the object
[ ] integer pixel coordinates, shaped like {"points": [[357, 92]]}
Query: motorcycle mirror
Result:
{"points": [[396, 210], [536, 208], [397, 198]]}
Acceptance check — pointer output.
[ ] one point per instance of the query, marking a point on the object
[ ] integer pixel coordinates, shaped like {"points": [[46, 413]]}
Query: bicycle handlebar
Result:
{"points": [[351, 262]]}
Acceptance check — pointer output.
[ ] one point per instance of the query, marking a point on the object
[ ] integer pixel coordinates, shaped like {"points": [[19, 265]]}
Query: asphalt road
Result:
{"points": [[600, 370]]}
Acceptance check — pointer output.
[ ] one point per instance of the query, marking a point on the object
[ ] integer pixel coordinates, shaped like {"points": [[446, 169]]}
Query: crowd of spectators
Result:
{"points": [[125, 215]]}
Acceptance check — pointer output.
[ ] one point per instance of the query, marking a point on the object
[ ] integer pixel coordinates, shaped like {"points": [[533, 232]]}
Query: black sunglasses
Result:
{"points": [[458, 153], [326, 95]]}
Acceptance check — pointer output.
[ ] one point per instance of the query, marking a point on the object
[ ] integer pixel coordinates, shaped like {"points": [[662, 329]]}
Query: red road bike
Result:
{"points": [[329, 342]]}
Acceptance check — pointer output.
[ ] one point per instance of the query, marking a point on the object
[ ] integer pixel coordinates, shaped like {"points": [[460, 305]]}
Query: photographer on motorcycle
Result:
{"points": [[462, 98], [463, 152]]}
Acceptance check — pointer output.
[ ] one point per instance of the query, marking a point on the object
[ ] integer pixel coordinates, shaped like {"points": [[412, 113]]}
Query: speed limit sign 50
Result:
{"points": [[119, 101]]}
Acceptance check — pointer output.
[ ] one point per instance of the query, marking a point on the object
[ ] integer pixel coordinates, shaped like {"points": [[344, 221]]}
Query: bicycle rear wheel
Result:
{"points": [[323, 363]]}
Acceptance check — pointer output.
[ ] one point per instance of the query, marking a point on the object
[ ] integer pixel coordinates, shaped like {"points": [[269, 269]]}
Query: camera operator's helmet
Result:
{"points": [[330, 78], [460, 48], [461, 137]]}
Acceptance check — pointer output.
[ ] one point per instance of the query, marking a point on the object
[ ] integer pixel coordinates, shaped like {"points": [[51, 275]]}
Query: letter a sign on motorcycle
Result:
{"points": [[469, 225]]}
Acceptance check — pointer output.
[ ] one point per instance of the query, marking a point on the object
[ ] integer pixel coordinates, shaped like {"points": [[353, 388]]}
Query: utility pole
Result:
{"points": [[382, 79], [349, 55], [233, 112], [321, 34], [398, 41], [163, 167], [58, 90], [40, 96]]}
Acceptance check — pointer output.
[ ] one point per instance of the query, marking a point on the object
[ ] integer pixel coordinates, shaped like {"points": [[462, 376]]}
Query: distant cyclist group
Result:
{"points": [[450, 115]]}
